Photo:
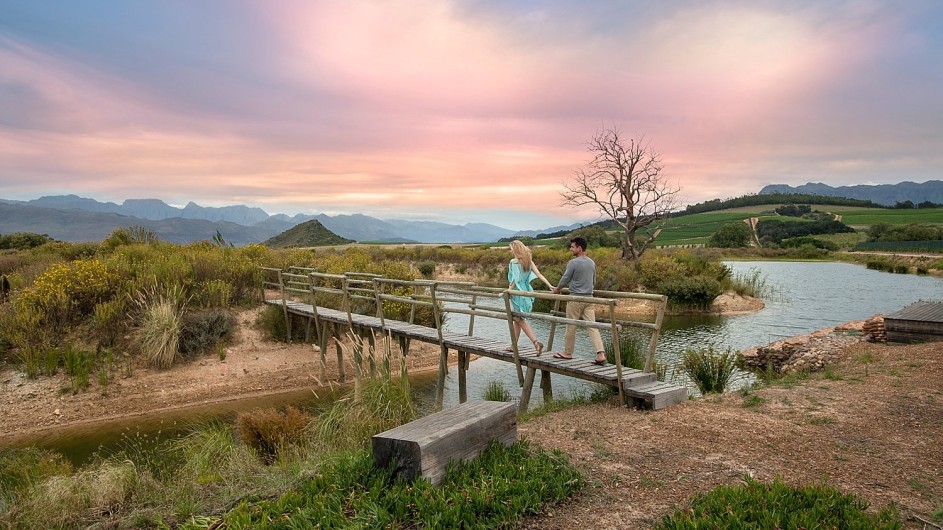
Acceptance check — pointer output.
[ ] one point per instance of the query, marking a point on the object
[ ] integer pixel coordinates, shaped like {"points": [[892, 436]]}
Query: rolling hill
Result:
{"points": [[307, 234]]}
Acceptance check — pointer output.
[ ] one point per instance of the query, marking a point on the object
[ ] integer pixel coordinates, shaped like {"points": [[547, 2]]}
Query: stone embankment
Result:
{"points": [[814, 351]]}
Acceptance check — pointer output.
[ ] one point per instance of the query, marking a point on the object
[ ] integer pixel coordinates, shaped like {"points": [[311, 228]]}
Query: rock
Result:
{"points": [[56, 412]]}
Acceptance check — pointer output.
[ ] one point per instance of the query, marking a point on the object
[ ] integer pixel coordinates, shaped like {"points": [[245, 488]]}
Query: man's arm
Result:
{"points": [[567, 276]]}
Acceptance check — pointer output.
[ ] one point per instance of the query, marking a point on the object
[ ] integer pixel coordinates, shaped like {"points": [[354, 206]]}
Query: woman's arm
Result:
{"points": [[533, 266]]}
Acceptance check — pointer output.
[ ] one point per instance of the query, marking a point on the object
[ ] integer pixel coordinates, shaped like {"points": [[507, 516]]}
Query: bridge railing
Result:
{"points": [[609, 321], [462, 298]]}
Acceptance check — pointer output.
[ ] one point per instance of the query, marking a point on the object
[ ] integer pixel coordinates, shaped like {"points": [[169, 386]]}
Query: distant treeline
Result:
{"points": [[714, 205], [22, 240]]}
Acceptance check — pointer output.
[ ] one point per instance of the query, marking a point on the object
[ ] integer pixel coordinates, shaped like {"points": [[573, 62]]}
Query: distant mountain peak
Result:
{"points": [[886, 194]]}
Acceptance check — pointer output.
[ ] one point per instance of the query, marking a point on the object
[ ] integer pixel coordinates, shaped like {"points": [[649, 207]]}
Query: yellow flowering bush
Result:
{"points": [[78, 285]]}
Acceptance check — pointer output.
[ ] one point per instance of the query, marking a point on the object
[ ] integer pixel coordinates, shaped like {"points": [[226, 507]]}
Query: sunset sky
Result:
{"points": [[458, 111]]}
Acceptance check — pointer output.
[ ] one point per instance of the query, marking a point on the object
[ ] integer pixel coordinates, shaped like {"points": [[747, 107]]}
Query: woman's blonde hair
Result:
{"points": [[522, 253]]}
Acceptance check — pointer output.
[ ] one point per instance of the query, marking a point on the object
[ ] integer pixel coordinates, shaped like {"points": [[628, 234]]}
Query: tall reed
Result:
{"points": [[709, 369]]}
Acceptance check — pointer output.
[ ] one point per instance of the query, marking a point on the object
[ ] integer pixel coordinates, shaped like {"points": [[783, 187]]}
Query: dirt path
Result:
{"points": [[872, 426], [252, 367]]}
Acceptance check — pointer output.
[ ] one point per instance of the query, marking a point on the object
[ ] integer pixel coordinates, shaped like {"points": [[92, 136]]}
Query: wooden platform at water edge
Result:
{"points": [[307, 293]]}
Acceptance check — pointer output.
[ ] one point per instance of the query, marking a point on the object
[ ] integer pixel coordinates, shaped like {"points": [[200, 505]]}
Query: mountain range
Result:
{"points": [[74, 218], [885, 194]]}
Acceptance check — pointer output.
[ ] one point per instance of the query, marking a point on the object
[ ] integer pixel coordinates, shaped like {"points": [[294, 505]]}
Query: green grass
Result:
{"points": [[496, 489], [778, 505]]}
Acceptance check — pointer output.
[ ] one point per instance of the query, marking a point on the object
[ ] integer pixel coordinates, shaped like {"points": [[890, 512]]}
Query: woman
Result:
{"points": [[521, 271]]}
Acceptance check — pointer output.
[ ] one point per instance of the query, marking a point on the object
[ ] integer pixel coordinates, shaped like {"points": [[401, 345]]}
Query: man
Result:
{"points": [[580, 275]]}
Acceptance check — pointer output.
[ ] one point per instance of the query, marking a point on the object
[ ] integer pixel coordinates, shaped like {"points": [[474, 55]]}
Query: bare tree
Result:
{"points": [[624, 180]]}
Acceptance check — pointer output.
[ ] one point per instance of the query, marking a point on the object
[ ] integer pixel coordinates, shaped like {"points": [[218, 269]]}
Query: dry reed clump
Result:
{"points": [[161, 319], [269, 430], [94, 494]]}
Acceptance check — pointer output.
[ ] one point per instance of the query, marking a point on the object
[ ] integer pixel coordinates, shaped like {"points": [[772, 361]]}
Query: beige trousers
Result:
{"points": [[581, 311]]}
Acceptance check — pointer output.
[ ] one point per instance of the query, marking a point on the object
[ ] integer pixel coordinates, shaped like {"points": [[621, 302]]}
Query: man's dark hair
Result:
{"points": [[580, 242]]}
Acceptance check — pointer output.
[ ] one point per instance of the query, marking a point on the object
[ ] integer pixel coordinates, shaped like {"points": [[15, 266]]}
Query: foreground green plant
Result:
{"points": [[496, 391], [777, 505], [494, 490], [709, 369]]}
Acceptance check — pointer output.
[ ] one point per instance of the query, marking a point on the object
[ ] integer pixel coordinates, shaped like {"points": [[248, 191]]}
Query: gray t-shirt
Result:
{"points": [[580, 275]]}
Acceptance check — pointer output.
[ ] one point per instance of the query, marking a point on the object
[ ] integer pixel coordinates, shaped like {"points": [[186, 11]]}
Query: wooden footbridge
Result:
{"points": [[335, 304]]}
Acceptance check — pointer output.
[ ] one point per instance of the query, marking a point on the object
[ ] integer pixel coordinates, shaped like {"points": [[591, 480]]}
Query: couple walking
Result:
{"points": [[580, 276]]}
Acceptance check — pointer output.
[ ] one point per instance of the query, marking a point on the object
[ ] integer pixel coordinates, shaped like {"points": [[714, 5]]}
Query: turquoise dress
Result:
{"points": [[521, 280]]}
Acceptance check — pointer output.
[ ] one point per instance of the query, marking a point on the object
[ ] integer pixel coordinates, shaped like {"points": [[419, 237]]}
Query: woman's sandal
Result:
{"points": [[539, 346]]}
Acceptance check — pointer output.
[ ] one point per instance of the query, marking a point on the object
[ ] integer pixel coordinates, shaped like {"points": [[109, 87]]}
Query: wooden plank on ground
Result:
{"points": [[426, 446]]}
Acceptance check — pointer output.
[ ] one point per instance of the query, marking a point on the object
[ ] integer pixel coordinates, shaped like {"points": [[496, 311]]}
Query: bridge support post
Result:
{"points": [[322, 344], [545, 386], [340, 355], [443, 369], [526, 389], [462, 383]]}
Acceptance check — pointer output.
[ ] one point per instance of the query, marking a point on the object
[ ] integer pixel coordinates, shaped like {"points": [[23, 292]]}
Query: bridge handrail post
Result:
{"points": [[653, 340], [281, 288], [514, 350], [471, 317], [443, 351], [312, 284], [553, 325], [381, 314], [616, 347]]}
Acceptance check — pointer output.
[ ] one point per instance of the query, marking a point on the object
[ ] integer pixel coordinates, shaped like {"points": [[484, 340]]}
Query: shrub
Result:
{"points": [[269, 430], [496, 391], [633, 356], [214, 294], [695, 292], [798, 242], [109, 320], [23, 240], [617, 276], [709, 369], [271, 321], [777, 505], [78, 366], [202, 330], [732, 235], [79, 285], [655, 268], [426, 268]]}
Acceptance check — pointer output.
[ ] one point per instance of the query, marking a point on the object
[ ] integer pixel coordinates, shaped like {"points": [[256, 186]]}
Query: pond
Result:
{"points": [[805, 296]]}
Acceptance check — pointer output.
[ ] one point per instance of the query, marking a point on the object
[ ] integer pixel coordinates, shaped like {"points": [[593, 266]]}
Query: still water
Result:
{"points": [[804, 296]]}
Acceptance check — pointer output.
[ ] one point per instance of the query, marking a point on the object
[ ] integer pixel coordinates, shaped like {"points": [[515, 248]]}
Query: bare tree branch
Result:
{"points": [[625, 181]]}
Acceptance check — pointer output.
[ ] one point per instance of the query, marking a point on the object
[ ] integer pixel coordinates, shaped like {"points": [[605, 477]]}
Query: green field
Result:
{"points": [[697, 228], [858, 217]]}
